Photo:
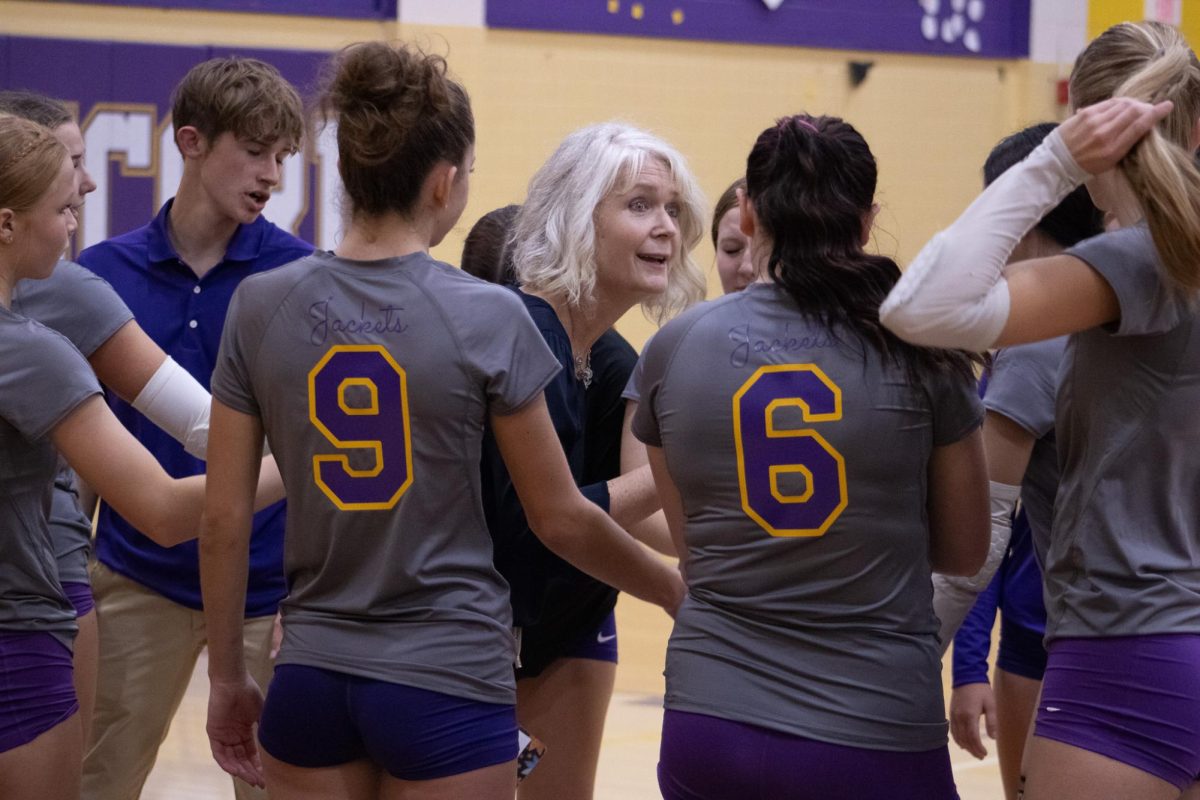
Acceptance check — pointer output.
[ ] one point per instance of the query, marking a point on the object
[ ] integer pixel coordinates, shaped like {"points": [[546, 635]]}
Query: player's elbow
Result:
{"points": [[164, 526], [558, 524]]}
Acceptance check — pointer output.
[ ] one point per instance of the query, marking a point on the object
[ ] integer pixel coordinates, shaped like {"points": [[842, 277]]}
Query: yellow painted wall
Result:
{"points": [[1103, 14], [930, 121]]}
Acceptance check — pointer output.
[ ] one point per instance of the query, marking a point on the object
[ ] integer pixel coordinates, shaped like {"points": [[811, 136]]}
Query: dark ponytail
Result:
{"points": [[812, 182]]}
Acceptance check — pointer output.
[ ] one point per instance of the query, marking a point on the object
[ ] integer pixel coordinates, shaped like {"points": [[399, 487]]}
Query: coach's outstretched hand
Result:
{"points": [[1100, 135], [233, 710]]}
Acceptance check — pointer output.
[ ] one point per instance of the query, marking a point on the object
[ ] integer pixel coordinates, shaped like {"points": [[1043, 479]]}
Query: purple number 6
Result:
{"points": [[380, 426], [765, 452]]}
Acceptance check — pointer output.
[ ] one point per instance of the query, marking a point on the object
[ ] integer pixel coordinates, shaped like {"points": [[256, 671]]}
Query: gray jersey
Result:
{"points": [[802, 464], [1123, 553], [42, 379], [374, 381], [81, 306], [1023, 386]]}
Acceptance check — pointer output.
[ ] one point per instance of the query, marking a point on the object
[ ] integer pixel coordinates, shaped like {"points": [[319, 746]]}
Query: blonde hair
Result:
{"points": [[554, 236], [1151, 61], [31, 157]]}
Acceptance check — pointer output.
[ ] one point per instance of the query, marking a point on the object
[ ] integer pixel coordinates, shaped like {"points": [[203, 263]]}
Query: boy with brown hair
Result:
{"points": [[235, 121]]}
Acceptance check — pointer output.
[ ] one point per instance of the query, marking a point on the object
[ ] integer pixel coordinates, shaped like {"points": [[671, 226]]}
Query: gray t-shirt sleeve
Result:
{"points": [[1127, 260], [1024, 384], [50, 382], [77, 303], [648, 377], [632, 392], [957, 409], [505, 348], [243, 331]]}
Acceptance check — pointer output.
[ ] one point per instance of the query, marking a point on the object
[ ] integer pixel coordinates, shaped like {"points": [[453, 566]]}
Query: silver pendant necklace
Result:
{"points": [[583, 369]]}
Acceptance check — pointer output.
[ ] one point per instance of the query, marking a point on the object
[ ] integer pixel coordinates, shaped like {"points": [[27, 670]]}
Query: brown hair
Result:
{"points": [[398, 114], [487, 253], [243, 96], [725, 203], [30, 159], [1151, 61], [35, 107]]}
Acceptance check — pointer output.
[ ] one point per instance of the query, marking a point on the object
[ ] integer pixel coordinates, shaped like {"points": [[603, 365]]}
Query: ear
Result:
{"points": [[868, 223], [1195, 141], [191, 142], [443, 177], [749, 222], [8, 224]]}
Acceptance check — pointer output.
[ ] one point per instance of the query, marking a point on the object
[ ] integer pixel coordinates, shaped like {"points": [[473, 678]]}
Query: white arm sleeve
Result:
{"points": [[954, 293], [176, 402], [953, 597]]}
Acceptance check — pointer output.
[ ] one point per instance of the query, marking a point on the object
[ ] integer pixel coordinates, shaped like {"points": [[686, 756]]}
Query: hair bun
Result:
{"points": [[397, 113]]}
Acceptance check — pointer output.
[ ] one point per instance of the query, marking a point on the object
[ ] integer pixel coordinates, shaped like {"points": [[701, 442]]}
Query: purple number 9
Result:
{"points": [[337, 386], [765, 452]]}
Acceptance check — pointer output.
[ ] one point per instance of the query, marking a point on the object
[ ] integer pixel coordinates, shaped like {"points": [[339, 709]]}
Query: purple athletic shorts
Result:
{"points": [[37, 689], [599, 644], [708, 758], [1021, 650], [320, 718], [80, 595], [1134, 699]]}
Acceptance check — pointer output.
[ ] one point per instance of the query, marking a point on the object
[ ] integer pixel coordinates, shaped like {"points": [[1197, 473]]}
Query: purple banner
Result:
{"points": [[122, 93], [354, 9], [984, 28]]}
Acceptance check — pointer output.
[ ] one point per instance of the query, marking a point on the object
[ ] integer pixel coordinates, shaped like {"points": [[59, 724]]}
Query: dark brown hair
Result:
{"points": [[398, 114], [812, 181], [1075, 218], [487, 253]]}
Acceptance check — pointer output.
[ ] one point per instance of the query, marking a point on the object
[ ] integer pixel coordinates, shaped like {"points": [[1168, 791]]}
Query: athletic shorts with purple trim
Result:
{"points": [[1134, 699], [37, 689], [708, 758], [80, 595], [599, 644], [317, 718]]}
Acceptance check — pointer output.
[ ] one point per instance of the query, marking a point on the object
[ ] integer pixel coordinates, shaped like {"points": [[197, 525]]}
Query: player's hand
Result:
{"points": [[967, 703], [1100, 135], [233, 711]]}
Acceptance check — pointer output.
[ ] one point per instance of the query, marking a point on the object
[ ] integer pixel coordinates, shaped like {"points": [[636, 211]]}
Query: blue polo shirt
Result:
{"points": [[185, 315]]}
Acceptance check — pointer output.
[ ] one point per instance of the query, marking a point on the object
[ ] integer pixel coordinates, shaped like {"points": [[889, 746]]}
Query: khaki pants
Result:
{"points": [[148, 651]]}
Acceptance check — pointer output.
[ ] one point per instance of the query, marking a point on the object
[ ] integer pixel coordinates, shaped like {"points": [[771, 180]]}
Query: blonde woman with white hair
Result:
{"points": [[608, 224]]}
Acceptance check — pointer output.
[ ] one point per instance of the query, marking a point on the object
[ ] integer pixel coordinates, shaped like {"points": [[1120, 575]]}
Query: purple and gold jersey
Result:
{"points": [[802, 461], [1124, 555], [43, 378], [82, 307], [1023, 386], [374, 381]]}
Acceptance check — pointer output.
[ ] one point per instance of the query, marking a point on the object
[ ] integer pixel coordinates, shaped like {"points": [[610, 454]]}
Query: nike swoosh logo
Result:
{"points": [[602, 639]]}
